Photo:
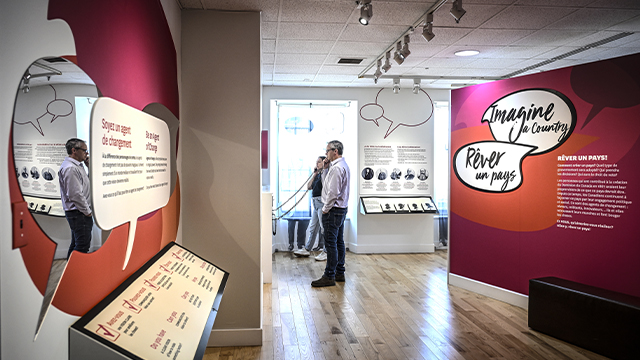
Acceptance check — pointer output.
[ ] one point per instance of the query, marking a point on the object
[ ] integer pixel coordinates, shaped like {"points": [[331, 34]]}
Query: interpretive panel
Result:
{"points": [[395, 169], [164, 310], [130, 174], [130, 165]]}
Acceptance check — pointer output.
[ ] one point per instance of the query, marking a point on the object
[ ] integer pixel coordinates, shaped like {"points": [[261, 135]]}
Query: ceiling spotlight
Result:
{"points": [[457, 11], [427, 30], [398, 54], [405, 49], [396, 85], [366, 11], [416, 86], [25, 89], [387, 65], [378, 73]]}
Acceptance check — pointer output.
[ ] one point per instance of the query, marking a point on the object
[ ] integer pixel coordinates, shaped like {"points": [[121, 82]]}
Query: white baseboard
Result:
{"points": [[235, 337], [494, 292], [391, 248]]}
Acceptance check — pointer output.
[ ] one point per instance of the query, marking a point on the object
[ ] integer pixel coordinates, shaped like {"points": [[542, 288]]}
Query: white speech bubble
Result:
{"points": [[542, 118], [130, 165], [402, 109], [491, 166]]}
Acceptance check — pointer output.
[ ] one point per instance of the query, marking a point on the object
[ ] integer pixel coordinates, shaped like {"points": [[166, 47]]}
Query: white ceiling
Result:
{"points": [[302, 40]]}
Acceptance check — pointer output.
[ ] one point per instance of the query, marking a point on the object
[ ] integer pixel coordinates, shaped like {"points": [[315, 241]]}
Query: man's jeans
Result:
{"points": [[315, 227], [333, 223], [81, 226]]}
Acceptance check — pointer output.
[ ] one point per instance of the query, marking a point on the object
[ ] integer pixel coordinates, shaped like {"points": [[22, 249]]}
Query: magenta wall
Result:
{"points": [[541, 228]]}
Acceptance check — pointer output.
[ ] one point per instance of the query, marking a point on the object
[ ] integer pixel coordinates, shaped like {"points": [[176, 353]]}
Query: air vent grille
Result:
{"points": [[350, 61]]}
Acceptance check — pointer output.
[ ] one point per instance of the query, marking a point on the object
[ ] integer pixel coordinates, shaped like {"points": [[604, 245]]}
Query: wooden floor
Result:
{"points": [[390, 307]]}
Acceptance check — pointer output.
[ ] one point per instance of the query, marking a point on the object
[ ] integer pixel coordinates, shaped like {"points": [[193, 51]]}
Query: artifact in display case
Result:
{"points": [[402, 207], [429, 206], [166, 309], [415, 206], [397, 205], [388, 207]]}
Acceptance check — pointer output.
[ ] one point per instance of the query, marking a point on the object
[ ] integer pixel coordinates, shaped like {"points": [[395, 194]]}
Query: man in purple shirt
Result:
{"points": [[75, 195], [335, 197]]}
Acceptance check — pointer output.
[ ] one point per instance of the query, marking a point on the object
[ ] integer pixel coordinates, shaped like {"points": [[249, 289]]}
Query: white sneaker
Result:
{"points": [[322, 256], [302, 252]]}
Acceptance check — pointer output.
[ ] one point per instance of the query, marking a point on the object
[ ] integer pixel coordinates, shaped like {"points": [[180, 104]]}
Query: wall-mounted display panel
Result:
{"points": [[395, 169], [397, 205]]}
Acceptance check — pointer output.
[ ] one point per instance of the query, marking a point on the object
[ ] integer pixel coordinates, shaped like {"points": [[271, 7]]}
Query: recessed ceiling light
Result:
{"points": [[467, 52]]}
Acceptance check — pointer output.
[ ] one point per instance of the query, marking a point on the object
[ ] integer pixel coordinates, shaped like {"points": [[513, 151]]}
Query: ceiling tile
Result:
{"points": [[372, 33], [452, 63], [269, 30], [340, 69], [289, 77], [494, 63], [616, 4], [425, 51], [629, 25], [358, 49], [334, 77], [478, 72], [552, 37], [593, 19], [268, 46], [268, 58], [316, 11], [527, 17], [493, 37], [516, 52], [304, 46], [314, 31], [299, 59], [560, 64], [297, 69], [191, 4], [563, 3]]}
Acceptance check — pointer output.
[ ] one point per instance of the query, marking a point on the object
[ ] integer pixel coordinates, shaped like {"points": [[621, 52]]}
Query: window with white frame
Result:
{"points": [[304, 128]]}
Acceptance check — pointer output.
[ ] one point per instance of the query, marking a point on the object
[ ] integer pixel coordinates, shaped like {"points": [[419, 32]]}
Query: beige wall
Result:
{"points": [[220, 146]]}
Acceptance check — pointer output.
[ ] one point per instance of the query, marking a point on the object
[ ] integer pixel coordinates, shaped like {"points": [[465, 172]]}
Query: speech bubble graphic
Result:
{"points": [[539, 118], [491, 166], [59, 108], [130, 165], [605, 84], [55, 108], [402, 109], [372, 112]]}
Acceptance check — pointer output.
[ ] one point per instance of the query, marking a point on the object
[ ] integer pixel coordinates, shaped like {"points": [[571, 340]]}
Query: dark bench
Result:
{"points": [[605, 322]]}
